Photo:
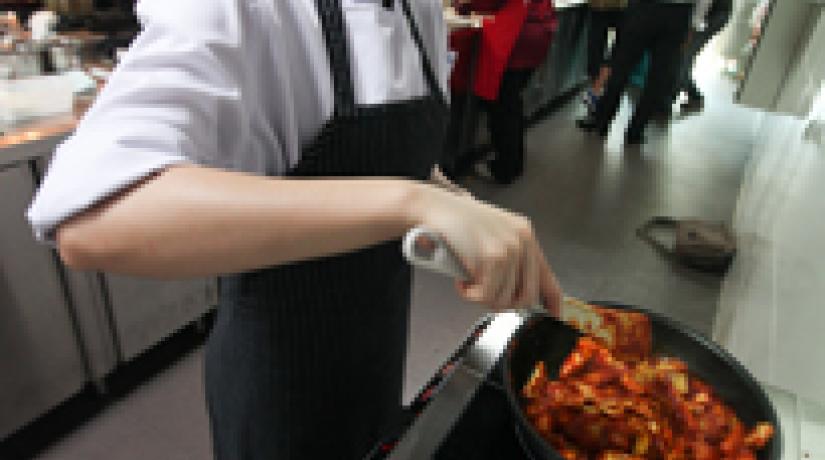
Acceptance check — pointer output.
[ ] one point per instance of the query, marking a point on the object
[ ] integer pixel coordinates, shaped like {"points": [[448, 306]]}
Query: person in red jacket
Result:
{"points": [[527, 26]]}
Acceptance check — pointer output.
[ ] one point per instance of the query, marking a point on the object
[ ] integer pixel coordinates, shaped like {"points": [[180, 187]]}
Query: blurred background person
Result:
{"points": [[659, 27], [708, 25], [10, 27], [605, 15], [527, 25]]}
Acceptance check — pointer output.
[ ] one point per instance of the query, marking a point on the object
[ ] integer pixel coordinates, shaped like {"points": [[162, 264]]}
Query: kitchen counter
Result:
{"points": [[31, 139]]}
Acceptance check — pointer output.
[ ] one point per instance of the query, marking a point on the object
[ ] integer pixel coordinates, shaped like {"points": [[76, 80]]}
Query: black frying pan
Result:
{"points": [[546, 339], [543, 338]]}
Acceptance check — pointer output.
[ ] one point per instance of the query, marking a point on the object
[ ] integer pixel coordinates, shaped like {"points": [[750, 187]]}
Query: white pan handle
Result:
{"points": [[428, 250]]}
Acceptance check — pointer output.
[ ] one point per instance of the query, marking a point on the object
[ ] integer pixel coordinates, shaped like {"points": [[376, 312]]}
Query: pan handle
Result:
{"points": [[427, 250]]}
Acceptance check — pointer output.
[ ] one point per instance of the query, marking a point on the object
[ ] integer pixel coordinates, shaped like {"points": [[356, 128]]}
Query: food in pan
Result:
{"points": [[638, 407], [626, 333]]}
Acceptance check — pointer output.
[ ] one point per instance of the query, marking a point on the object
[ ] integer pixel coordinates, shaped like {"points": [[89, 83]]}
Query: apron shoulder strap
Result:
{"points": [[429, 73]]}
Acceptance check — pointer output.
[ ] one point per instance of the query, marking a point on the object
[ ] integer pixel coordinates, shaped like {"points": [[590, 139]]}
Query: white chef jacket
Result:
{"points": [[234, 84]]}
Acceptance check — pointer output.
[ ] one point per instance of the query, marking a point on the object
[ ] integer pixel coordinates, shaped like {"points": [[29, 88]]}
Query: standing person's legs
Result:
{"points": [[715, 22], [506, 125], [613, 19], [597, 42], [686, 82], [625, 58], [673, 21]]}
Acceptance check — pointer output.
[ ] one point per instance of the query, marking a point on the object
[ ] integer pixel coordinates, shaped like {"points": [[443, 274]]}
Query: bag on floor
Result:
{"points": [[704, 245]]}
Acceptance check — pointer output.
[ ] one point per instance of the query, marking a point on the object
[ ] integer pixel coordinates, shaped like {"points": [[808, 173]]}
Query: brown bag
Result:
{"points": [[703, 245]]}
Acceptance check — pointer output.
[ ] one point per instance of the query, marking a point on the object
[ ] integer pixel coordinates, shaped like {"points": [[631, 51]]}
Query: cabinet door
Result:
{"points": [[785, 70], [146, 311], [86, 289], [42, 363]]}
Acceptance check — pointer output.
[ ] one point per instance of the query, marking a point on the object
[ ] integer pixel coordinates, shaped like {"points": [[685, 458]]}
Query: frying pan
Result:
{"points": [[545, 338]]}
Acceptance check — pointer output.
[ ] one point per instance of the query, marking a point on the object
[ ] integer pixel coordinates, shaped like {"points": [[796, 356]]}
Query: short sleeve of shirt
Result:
{"points": [[171, 100]]}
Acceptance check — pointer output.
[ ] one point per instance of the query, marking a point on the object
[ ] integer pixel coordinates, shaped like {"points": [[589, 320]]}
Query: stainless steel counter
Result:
{"points": [[61, 329], [565, 67]]}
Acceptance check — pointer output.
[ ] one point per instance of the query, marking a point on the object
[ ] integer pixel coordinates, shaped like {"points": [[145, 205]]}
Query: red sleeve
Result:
{"points": [[550, 19]]}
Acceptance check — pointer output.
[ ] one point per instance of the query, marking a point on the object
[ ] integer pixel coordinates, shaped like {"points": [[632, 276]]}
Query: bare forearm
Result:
{"points": [[193, 221]]}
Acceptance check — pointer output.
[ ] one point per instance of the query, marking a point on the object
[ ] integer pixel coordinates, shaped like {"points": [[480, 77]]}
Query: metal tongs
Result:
{"points": [[427, 250]]}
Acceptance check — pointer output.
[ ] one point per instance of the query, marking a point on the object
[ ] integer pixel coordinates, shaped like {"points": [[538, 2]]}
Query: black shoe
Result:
{"points": [[693, 104], [633, 140], [661, 117], [587, 124]]}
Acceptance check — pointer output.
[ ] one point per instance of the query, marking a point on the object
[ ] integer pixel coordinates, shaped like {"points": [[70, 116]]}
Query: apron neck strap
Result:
{"points": [[335, 37]]}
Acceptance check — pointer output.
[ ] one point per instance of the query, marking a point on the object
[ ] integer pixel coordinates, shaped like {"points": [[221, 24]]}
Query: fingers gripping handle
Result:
{"points": [[428, 250]]}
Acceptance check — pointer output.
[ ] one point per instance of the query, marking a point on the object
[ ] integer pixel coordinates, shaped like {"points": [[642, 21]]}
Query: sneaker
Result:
{"points": [[591, 100]]}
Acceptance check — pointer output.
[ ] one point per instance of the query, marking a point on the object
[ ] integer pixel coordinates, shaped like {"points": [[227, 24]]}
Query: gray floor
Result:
{"points": [[586, 199]]}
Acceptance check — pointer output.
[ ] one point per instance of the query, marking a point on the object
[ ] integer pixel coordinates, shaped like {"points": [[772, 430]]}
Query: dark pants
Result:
{"points": [[601, 21], [660, 29], [505, 122], [716, 21]]}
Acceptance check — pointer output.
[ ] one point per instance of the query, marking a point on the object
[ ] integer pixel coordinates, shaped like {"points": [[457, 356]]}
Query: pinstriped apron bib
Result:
{"points": [[306, 360]]}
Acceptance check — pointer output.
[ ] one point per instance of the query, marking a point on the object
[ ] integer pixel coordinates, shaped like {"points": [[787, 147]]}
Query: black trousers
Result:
{"points": [[716, 21], [601, 21], [661, 29], [505, 122]]}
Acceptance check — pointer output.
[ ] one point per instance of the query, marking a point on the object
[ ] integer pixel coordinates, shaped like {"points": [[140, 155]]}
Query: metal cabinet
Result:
{"points": [[42, 361], [785, 73], [564, 68], [146, 311]]}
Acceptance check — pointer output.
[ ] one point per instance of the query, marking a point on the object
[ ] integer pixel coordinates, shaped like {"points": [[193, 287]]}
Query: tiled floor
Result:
{"points": [[585, 198]]}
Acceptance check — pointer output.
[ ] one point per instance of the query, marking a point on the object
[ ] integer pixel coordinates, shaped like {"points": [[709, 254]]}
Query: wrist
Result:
{"points": [[418, 201]]}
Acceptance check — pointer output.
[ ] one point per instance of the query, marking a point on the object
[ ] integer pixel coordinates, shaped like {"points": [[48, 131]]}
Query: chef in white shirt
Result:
{"points": [[286, 146]]}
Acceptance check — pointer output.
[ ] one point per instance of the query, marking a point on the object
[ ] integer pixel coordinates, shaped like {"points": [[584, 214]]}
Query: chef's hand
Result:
{"points": [[499, 249]]}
